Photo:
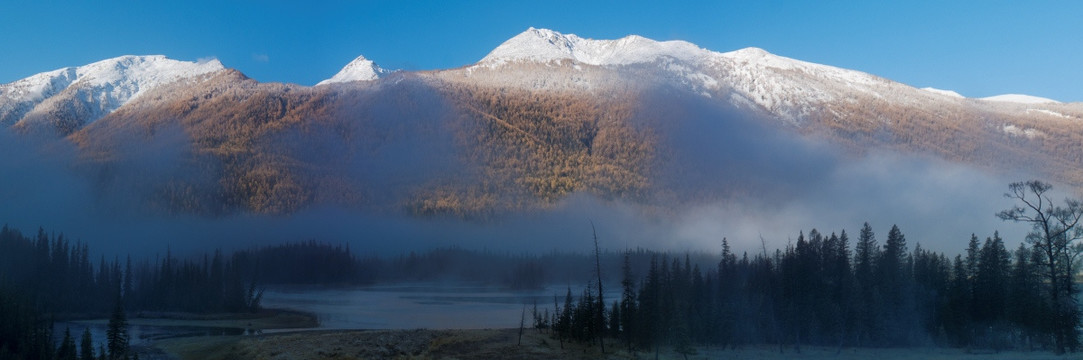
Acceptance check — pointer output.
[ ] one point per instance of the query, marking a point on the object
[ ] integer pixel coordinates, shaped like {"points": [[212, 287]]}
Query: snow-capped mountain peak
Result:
{"points": [[102, 86], [543, 45], [781, 85], [144, 71], [749, 53], [360, 69]]}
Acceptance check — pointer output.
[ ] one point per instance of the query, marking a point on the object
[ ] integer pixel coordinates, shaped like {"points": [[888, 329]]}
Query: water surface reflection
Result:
{"points": [[413, 306]]}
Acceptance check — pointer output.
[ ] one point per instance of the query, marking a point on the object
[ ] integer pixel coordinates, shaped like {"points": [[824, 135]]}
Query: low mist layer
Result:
{"points": [[409, 162], [938, 204]]}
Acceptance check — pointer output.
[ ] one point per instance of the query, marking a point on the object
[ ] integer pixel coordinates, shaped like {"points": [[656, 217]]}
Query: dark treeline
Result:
{"points": [[58, 278], [24, 333], [44, 278], [47, 277], [820, 291], [510, 270]]}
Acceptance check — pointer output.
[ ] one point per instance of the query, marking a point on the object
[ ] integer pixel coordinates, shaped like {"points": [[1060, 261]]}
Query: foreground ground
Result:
{"points": [[501, 344]]}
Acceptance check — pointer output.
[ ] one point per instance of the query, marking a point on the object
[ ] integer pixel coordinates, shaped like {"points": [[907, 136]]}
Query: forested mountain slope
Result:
{"points": [[544, 116]]}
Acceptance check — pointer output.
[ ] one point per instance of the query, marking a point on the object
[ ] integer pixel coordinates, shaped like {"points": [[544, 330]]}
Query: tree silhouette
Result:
{"points": [[67, 350], [86, 346], [117, 333], [1054, 234]]}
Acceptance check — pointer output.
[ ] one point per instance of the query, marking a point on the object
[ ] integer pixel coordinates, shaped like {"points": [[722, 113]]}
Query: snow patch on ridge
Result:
{"points": [[1020, 99], [1028, 133], [947, 93], [1048, 112]]}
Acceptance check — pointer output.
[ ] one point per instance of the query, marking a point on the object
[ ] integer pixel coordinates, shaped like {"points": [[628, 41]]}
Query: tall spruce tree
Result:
{"points": [[628, 303], [894, 282], [117, 332], [866, 253], [992, 281], [599, 311], [86, 346], [67, 350]]}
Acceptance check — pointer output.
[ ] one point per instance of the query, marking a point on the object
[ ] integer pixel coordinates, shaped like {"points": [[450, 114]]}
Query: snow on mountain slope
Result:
{"points": [[787, 87], [792, 88], [102, 86], [19, 97], [542, 45], [944, 92], [678, 59], [360, 69], [540, 59], [1021, 99]]}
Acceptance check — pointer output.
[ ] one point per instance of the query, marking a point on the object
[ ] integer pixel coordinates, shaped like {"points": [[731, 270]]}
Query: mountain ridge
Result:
{"points": [[543, 45], [621, 120], [95, 89], [627, 50]]}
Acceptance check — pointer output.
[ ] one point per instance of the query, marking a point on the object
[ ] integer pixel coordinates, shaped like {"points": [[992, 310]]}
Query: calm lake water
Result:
{"points": [[414, 306], [138, 334], [403, 306]]}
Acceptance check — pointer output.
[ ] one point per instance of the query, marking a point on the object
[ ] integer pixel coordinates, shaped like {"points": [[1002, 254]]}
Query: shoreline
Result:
{"points": [[291, 334], [504, 344], [266, 319]]}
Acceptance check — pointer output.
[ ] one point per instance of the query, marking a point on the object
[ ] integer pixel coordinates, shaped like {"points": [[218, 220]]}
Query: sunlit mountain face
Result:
{"points": [[545, 120]]}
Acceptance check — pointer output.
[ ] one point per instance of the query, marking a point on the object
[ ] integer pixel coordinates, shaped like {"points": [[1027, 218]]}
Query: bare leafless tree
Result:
{"points": [[1055, 234]]}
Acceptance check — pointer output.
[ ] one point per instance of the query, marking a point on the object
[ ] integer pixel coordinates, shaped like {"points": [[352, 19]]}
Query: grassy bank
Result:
{"points": [[503, 344], [377, 344]]}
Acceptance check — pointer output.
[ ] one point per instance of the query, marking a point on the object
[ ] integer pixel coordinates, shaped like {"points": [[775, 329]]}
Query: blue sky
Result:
{"points": [[978, 48]]}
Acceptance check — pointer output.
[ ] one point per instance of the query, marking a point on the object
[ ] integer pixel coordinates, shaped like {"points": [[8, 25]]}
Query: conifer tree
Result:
{"points": [[599, 311], [894, 282], [86, 346], [628, 303], [865, 256], [117, 333], [992, 280], [973, 257], [128, 290], [649, 321], [67, 350]]}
